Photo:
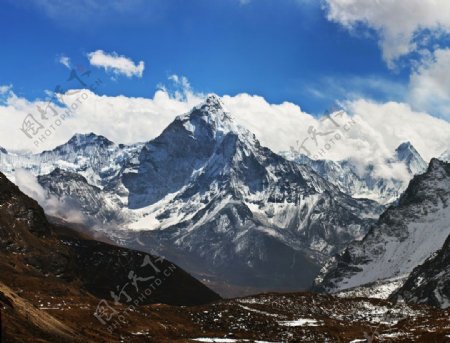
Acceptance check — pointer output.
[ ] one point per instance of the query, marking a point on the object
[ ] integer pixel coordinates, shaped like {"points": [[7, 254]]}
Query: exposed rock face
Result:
{"points": [[32, 245]]}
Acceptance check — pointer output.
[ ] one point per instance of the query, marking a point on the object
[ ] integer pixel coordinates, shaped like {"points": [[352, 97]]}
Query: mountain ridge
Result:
{"points": [[401, 239]]}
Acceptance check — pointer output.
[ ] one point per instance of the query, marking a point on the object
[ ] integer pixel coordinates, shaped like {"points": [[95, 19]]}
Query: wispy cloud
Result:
{"points": [[351, 87], [119, 65], [52, 205], [65, 61]]}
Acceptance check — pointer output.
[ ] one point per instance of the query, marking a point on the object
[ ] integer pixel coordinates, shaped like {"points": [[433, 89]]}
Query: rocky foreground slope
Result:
{"points": [[269, 318], [43, 266]]}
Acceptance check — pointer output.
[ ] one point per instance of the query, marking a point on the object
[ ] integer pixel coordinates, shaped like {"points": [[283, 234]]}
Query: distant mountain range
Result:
{"points": [[238, 216], [365, 183]]}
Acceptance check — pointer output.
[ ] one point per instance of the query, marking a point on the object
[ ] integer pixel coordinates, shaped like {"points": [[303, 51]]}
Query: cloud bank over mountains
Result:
{"points": [[368, 131]]}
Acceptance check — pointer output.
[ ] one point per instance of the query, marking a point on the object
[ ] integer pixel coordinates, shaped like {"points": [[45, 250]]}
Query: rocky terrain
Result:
{"points": [[44, 266], [273, 318]]}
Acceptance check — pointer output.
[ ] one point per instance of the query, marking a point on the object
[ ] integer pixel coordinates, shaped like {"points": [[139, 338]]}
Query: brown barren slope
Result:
{"points": [[53, 278]]}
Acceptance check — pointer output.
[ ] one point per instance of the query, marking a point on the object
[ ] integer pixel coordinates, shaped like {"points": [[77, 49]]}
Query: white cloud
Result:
{"points": [[377, 130], [122, 119], [65, 61], [383, 126], [397, 22], [119, 65], [268, 121], [430, 84]]}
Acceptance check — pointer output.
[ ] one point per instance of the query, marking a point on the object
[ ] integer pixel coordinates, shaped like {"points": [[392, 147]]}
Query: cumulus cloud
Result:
{"points": [[65, 61], [383, 126], [119, 65], [430, 84], [368, 131], [399, 24], [120, 118], [268, 121]]}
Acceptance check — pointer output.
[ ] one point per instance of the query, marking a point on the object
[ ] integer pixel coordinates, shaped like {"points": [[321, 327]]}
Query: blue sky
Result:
{"points": [[278, 65], [281, 50]]}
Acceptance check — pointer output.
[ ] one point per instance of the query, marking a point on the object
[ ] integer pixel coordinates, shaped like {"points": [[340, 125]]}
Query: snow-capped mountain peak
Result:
{"points": [[212, 116], [213, 103], [405, 146], [89, 139], [206, 189], [407, 154]]}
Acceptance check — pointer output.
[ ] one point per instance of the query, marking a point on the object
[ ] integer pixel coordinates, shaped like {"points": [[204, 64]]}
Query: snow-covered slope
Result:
{"points": [[365, 183], [94, 157], [429, 283], [89, 168], [405, 235]]}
